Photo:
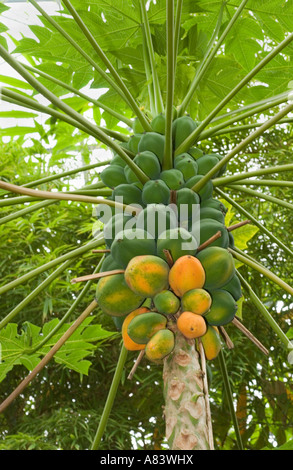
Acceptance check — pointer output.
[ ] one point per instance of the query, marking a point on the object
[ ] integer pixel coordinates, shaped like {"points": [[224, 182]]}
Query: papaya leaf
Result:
{"points": [[16, 346]]}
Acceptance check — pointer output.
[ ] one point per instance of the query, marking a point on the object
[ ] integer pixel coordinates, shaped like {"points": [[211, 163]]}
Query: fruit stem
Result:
{"points": [[239, 225], [226, 337], [250, 336], [137, 362], [169, 258], [209, 241], [91, 277]]}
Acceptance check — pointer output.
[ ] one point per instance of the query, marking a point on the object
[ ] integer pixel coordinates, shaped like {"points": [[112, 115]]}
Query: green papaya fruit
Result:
{"points": [[223, 308], [187, 203], [214, 204], [206, 163], [234, 287], [173, 179], [114, 296], [206, 192], [218, 265], [187, 165], [157, 218], [109, 264], [210, 213], [166, 302], [209, 227], [148, 162], [158, 124], [153, 142], [130, 193], [134, 142], [113, 175], [117, 160], [182, 128], [131, 243], [195, 152], [178, 241], [144, 326], [130, 176], [137, 126], [231, 240], [115, 225], [155, 192], [224, 168]]}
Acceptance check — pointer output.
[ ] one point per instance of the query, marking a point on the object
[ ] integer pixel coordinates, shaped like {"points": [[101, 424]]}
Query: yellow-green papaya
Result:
{"points": [[144, 326]]}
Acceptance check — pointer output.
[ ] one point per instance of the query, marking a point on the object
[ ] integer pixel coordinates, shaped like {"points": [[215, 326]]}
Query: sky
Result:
{"points": [[17, 19]]}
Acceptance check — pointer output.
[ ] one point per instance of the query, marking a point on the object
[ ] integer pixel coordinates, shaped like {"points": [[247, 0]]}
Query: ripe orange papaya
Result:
{"points": [[160, 345], [147, 275], [191, 325], [129, 344], [187, 273]]}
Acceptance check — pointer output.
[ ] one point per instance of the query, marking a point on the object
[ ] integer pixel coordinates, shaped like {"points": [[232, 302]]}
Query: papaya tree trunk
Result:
{"points": [[187, 414]]}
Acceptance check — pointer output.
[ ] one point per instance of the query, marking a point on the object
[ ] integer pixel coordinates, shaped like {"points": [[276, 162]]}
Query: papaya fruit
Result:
{"points": [[224, 168], [130, 193], [158, 124], [118, 322], [137, 126], [160, 345], [115, 225], [148, 163], [206, 192], [218, 265], [166, 302], [113, 176], [157, 218], [187, 273], [187, 165], [223, 308], [196, 301], [182, 128], [214, 204], [129, 344], [173, 179], [191, 325], [206, 163], [131, 243], [211, 342], [147, 275], [187, 203], [114, 296], [155, 192], [109, 264], [195, 152], [142, 327], [234, 287], [134, 142], [153, 142], [210, 213], [117, 160], [231, 240], [178, 241], [209, 227]]}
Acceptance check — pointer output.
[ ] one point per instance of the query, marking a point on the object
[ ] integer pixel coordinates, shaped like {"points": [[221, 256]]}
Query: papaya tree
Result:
{"points": [[187, 97]]}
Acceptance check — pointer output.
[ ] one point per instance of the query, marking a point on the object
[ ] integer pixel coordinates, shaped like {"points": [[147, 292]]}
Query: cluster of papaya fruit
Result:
{"points": [[148, 296]]}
